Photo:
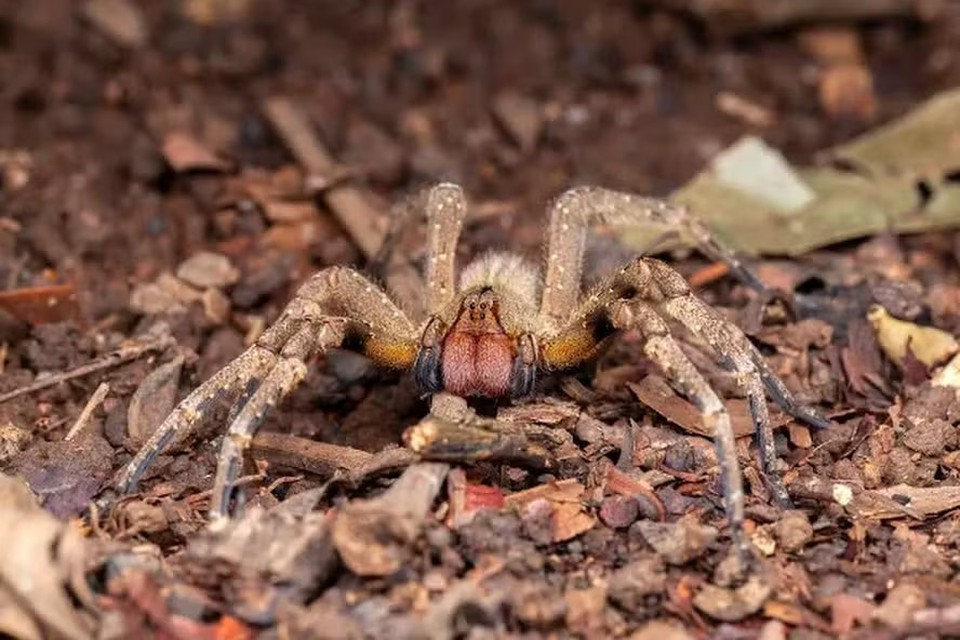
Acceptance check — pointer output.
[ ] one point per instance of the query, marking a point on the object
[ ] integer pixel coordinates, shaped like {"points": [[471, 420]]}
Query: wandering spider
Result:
{"points": [[495, 330]]}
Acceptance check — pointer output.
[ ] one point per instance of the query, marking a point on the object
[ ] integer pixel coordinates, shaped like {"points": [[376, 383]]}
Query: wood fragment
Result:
{"points": [[709, 274], [350, 203], [113, 359], [96, 399], [41, 305], [362, 221], [320, 458], [374, 536]]}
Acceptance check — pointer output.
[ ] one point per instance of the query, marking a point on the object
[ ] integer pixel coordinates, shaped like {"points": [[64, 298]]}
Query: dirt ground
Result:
{"points": [[155, 217]]}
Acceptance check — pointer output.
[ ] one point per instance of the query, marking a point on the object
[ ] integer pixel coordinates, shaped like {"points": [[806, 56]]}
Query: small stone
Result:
{"points": [[538, 606], [631, 584], [732, 605], [13, 439], [793, 531], [521, 117], [678, 542], [763, 541], [661, 630], [216, 306], [931, 438], [151, 299], [207, 269], [619, 512], [900, 604]]}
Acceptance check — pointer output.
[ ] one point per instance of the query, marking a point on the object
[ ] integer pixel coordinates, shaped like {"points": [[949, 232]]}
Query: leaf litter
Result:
{"points": [[599, 516]]}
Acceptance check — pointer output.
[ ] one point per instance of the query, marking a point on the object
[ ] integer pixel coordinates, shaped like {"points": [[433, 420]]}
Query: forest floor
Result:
{"points": [[156, 215]]}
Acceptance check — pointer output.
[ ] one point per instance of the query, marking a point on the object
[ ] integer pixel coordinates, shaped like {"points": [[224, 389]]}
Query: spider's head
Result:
{"points": [[476, 355]]}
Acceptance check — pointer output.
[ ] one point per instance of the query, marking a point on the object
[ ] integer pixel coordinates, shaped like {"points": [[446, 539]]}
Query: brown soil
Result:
{"points": [[403, 94]]}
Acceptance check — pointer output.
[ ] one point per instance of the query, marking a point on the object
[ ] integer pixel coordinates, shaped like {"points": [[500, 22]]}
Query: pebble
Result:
{"points": [[207, 269], [678, 542], [793, 531], [631, 584], [619, 512]]}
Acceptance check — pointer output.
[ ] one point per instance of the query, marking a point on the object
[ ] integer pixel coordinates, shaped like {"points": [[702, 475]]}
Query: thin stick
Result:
{"points": [[96, 399], [118, 357], [361, 220], [366, 225]]}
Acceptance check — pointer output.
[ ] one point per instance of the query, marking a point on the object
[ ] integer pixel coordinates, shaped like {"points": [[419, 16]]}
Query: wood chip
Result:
{"points": [[119, 20], [207, 269], [41, 305], [153, 400], [559, 504], [185, 153], [654, 392]]}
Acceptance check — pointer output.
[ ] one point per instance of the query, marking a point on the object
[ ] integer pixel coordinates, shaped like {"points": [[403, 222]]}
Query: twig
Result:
{"points": [[320, 458], [709, 274], [361, 220], [96, 399], [328, 460], [365, 223], [118, 357]]}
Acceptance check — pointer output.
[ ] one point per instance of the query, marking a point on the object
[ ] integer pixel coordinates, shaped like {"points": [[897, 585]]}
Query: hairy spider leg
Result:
{"points": [[446, 208], [675, 300], [289, 371], [663, 350], [577, 209], [334, 297]]}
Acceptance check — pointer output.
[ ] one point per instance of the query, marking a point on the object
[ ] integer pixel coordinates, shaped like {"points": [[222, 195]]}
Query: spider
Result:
{"points": [[492, 332]]}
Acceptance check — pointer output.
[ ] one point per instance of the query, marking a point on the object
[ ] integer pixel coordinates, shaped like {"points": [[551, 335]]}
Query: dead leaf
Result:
{"points": [[185, 153], [862, 188], [929, 345], [654, 392], [556, 506], [41, 305], [43, 590], [153, 400]]}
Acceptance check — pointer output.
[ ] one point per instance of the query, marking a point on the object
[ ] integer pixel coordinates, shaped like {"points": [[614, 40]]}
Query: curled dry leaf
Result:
{"points": [[373, 536], [897, 337], [41, 305], [557, 506], [41, 571], [153, 400], [731, 605]]}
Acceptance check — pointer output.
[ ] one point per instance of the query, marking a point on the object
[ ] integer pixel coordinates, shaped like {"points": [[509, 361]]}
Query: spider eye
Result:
{"points": [[483, 305], [473, 305]]}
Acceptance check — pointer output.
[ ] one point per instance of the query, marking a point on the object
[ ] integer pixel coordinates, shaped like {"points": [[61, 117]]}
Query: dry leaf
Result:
{"points": [[929, 345], [185, 153], [41, 571]]}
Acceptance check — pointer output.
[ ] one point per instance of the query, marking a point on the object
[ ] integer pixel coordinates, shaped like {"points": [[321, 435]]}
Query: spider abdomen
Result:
{"points": [[477, 364]]}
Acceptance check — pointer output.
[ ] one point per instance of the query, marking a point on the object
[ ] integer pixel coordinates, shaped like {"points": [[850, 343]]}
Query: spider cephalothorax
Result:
{"points": [[478, 353], [491, 332]]}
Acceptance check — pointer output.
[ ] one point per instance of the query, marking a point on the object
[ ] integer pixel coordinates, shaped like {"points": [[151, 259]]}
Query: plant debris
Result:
{"points": [[171, 173]]}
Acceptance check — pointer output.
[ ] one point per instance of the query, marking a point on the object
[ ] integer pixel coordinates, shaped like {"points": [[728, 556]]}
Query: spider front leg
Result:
{"points": [[445, 210], [289, 370], [670, 295], [330, 303], [579, 208], [661, 348]]}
